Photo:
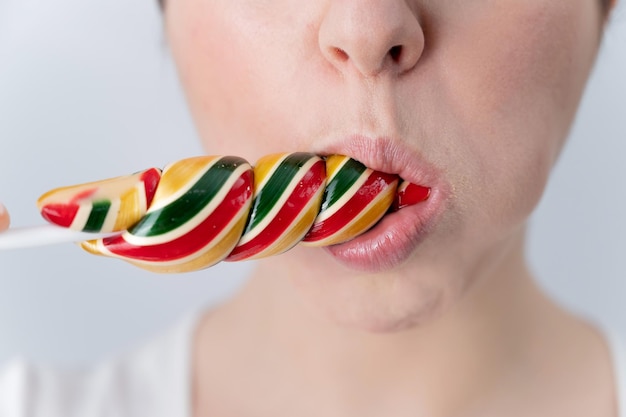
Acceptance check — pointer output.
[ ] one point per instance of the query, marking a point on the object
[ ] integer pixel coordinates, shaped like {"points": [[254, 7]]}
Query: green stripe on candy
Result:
{"points": [[267, 198], [97, 216], [183, 209], [341, 182]]}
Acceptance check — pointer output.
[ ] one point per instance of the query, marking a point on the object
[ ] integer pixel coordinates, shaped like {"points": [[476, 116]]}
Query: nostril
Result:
{"points": [[395, 52], [340, 54]]}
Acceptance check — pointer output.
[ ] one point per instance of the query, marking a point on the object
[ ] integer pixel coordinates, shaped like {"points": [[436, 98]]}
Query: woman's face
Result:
{"points": [[473, 98]]}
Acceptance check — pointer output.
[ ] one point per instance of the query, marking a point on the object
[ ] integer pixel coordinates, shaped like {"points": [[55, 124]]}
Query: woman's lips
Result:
{"points": [[393, 240]]}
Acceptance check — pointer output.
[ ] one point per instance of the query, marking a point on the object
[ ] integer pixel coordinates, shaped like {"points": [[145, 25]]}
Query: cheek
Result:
{"points": [[235, 60], [215, 62], [535, 58], [513, 91]]}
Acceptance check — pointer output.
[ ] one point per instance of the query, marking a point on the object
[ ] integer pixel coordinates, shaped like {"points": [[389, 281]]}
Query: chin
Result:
{"points": [[387, 321], [379, 303]]}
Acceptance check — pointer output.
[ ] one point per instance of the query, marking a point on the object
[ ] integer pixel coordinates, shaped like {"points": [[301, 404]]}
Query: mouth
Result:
{"points": [[418, 204]]}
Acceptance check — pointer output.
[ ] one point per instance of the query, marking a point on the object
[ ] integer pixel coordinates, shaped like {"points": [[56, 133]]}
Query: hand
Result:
{"points": [[4, 218]]}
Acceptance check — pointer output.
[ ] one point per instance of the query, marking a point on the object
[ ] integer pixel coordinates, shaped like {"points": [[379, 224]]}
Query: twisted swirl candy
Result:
{"points": [[196, 218], [110, 205], [288, 193], [356, 198], [208, 209]]}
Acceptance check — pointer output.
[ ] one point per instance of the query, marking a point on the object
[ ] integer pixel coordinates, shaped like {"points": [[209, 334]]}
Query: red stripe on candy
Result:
{"points": [[83, 195], [298, 200], [195, 239], [410, 196], [60, 214], [150, 180], [375, 184]]}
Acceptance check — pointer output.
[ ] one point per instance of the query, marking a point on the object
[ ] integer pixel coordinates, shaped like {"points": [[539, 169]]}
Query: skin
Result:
{"points": [[4, 218], [484, 94], [487, 101]]}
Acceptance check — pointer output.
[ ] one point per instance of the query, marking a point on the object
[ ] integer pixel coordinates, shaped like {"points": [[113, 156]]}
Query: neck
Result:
{"points": [[439, 366]]}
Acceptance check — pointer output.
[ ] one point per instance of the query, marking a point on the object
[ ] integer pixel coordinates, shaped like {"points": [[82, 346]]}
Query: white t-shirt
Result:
{"points": [[618, 354], [154, 381]]}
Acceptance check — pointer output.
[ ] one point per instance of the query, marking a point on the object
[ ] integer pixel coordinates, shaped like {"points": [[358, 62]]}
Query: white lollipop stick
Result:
{"points": [[28, 237]]}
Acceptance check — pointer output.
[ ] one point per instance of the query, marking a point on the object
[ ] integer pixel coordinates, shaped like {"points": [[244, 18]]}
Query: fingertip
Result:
{"points": [[4, 218]]}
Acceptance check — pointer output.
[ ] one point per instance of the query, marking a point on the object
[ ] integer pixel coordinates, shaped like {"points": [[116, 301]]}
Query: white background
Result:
{"points": [[87, 91]]}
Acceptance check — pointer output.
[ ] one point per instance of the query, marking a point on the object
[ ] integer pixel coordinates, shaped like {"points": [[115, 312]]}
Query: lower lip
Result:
{"points": [[392, 241]]}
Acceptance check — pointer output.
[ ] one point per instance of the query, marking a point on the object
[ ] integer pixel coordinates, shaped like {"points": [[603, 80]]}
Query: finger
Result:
{"points": [[4, 218]]}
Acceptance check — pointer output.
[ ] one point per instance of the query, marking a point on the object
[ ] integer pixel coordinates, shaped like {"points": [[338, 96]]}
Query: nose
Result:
{"points": [[371, 36]]}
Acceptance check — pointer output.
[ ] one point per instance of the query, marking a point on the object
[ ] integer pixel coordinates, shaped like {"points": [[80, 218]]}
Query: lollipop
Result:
{"points": [[356, 198], [409, 194], [196, 218], [110, 205], [209, 209], [288, 193]]}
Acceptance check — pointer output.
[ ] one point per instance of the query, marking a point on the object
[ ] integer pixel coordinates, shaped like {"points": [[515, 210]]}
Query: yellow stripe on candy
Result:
{"points": [[196, 219], [211, 254], [132, 201], [362, 222], [110, 205], [205, 209], [181, 175], [302, 225], [288, 194], [334, 164], [265, 167]]}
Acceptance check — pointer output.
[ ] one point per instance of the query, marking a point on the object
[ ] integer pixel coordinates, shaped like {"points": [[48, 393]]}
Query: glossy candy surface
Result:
{"points": [[195, 220], [409, 194], [288, 193], [203, 210], [104, 206], [356, 198]]}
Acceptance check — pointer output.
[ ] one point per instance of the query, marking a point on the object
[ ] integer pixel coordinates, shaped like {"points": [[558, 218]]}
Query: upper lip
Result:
{"points": [[386, 155]]}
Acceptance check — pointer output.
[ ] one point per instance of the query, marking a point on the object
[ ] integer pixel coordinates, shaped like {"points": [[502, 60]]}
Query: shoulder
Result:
{"points": [[152, 380], [616, 344]]}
